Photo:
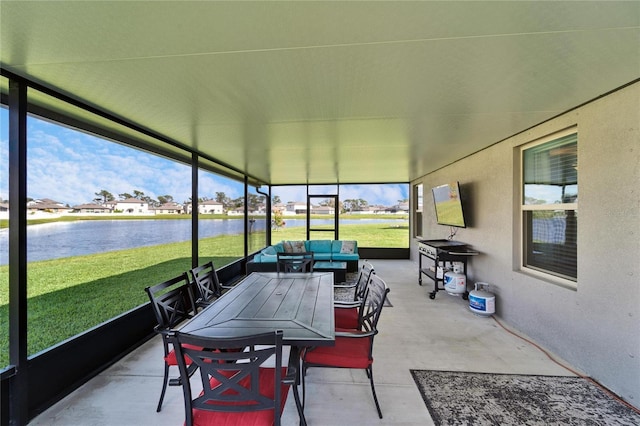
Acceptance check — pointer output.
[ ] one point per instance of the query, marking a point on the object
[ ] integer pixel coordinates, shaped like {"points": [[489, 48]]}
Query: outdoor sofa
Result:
{"points": [[323, 250]]}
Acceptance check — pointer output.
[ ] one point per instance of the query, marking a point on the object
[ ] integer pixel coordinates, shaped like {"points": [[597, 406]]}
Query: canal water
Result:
{"points": [[65, 239]]}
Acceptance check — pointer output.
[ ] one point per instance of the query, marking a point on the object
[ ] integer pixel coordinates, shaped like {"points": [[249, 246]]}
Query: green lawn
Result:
{"points": [[69, 295]]}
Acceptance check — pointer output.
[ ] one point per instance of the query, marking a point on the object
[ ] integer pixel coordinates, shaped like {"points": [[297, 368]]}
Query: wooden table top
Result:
{"points": [[299, 304]]}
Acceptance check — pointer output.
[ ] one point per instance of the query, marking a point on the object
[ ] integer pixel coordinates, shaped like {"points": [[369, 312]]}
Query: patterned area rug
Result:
{"points": [[456, 398], [351, 277], [343, 294]]}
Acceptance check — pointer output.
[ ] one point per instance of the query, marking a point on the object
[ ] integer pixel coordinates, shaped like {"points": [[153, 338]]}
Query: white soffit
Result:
{"points": [[323, 92]]}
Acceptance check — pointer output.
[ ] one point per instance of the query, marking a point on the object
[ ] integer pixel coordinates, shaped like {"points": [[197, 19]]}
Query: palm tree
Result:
{"points": [[104, 196], [164, 199]]}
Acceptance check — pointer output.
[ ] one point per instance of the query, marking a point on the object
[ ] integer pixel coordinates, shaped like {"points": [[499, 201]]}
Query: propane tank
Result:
{"points": [[481, 301], [455, 283]]}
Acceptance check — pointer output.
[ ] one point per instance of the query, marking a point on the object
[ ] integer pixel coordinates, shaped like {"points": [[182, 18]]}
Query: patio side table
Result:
{"points": [[339, 270]]}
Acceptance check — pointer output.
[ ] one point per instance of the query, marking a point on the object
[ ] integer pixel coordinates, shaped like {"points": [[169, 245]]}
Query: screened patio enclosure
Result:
{"points": [[78, 319]]}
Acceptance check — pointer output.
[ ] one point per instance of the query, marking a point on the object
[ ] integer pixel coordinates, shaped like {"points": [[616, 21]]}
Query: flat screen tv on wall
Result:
{"points": [[449, 205]]}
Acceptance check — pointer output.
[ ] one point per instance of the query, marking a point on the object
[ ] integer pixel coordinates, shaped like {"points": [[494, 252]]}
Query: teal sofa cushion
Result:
{"points": [[321, 249], [320, 246], [342, 257], [322, 255], [270, 251], [265, 258], [269, 254]]}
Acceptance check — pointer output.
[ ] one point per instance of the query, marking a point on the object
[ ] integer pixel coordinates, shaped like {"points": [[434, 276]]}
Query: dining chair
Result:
{"points": [[295, 262], [353, 347], [347, 313], [237, 387], [207, 284], [172, 302]]}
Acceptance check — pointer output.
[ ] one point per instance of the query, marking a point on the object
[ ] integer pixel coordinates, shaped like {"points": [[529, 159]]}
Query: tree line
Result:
{"points": [[254, 201], [103, 197]]}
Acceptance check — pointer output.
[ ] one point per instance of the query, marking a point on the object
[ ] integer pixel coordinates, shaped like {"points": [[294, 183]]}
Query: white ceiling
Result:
{"points": [[327, 92]]}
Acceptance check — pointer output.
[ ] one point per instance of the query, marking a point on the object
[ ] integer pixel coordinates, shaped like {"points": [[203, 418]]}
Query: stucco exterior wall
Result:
{"points": [[596, 326]]}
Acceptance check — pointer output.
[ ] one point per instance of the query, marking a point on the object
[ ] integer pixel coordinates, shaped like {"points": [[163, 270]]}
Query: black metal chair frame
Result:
{"points": [[172, 302], [360, 286], [295, 262], [375, 297], [206, 283], [229, 367]]}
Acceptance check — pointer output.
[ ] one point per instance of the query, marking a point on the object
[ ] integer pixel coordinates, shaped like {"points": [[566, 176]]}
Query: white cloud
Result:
{"points": [[383, 194], [209, 184], [290, 193], [70, 167]]}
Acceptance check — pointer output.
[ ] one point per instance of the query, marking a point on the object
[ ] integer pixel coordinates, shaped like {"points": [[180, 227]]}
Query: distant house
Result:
{"points": [[46, 205], [260, 209], [236, 212], [366, 210], [91, 208], [206, 207], [210, 207], [323, 210], [295, 207], [130, 206], [402, 208], [4, 210], [168, 208], [279, 207]]}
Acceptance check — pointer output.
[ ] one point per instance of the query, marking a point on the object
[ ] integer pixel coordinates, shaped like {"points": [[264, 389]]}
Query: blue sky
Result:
{"points": [[70, 167]]}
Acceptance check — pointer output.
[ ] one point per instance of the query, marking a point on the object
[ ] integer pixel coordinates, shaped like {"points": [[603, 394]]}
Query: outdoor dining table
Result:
{"points": [[299, 304]]}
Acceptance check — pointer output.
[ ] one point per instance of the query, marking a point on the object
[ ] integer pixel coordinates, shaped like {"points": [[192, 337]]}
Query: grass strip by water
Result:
{"points": [[70, 295]]}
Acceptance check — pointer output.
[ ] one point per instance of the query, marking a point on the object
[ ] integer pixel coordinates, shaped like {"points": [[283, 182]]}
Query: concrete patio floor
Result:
{"points": [[416, 333]]}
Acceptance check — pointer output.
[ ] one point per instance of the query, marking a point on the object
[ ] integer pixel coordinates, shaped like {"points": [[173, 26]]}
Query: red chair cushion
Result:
{"points": [[347, 353], [249, 418], [171, 359], [346, 318], [346, 330]]}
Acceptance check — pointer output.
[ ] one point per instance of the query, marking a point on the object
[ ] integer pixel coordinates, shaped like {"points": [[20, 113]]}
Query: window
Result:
{"points": [[4, 234], [418, 198], [136, 194], [550, 206], [322, 220], [257, 220], [83, 272], [289, 210], [377, 216], [220, 219]]}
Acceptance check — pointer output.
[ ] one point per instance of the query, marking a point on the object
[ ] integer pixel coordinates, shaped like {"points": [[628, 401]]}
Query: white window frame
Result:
{"points": [[554, 277]]}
